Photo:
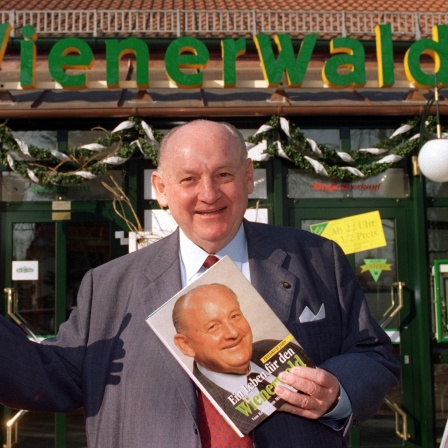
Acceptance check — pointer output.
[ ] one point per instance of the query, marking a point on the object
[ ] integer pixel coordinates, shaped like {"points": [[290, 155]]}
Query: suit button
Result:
{"points": [[286, 285]]}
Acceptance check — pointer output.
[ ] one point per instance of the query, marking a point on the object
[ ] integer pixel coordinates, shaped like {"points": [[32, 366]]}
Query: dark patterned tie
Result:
{"points": [[210, 261], [214, 430]]}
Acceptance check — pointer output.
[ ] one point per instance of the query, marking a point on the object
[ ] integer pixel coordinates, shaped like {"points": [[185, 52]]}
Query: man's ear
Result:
{"points": [[159, 187], [183, 344], [250, 175]]}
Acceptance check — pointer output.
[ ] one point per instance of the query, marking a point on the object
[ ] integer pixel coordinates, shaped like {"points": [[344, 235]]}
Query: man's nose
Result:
{"points": [[209, 191], [231, 330]]}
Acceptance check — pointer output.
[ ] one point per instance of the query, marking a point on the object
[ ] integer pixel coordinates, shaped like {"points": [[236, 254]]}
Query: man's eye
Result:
{"points": [[225, 176]]}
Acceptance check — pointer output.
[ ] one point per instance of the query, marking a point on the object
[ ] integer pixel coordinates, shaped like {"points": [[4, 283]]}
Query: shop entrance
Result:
{"points": [[386, 276], [46, 254]]}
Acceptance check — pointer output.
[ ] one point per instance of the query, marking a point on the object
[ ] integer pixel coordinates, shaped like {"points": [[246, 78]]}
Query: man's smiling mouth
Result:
{"points": [[236, 344], [210, 212]]}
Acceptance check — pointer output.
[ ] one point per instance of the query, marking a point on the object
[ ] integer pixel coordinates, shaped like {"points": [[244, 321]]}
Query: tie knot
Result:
{"points": [[210, 261], [252, 376]]}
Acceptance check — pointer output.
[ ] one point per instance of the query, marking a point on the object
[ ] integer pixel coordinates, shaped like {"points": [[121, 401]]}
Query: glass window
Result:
{"points": [[381, 431], [393, 183], [441, 397], [366, 138], [15, 188], [79, 138], [88, 245], [437, 224], [36, 242], [377, 271], [436, 189], [41, 139], [328, 137]]}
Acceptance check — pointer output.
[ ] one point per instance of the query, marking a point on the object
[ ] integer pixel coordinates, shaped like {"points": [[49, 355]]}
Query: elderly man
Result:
{"points": [[212, 329], [106, 359]]}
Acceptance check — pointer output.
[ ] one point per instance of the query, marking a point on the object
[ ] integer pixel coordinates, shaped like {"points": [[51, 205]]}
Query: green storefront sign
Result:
{"points": [[346, 67]]}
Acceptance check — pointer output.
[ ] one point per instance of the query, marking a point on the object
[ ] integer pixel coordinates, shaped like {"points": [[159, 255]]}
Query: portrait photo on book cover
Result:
{"points": [[230, 342]]}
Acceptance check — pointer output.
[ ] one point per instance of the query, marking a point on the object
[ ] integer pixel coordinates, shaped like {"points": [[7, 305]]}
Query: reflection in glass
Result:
{"points": [[393, 183], [437, 228], [36, 242], [437, 224], [441, 397], [79, 138], [41, 139], [331, 138], [377, 270], [380, 431], [36, 423], [87, 246], [366, 138]]}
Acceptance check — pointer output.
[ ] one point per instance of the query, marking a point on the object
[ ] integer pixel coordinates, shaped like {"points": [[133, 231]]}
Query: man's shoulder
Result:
{"points": [[262, 227], [142, 257], [281, 235]]}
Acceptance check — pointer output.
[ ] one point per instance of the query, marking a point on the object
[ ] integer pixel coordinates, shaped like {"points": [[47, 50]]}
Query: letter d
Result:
{"points": [[437, 49]]}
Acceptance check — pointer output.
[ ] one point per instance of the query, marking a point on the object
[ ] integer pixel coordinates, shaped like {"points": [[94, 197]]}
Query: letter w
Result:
{"points": [[5, 31], [286, 61], [244, 408]]}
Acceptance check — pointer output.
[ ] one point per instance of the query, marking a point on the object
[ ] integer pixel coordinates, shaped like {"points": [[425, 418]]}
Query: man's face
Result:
{"points": [[217, 335], [205, 182]]}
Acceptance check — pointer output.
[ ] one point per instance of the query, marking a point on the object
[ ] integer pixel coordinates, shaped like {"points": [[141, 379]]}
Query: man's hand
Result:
{"points": [[317, 392]]}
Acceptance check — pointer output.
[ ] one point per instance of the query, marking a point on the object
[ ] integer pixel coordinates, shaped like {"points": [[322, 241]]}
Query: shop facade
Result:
{"points": [[321, 93]]}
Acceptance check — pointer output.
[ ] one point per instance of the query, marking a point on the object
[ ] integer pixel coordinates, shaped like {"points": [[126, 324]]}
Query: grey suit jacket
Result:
{"points": [[106, 359]]}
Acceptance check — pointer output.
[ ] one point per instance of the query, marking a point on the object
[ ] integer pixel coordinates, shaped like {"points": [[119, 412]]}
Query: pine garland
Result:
{"points": [[277, 138], [131, 138]]}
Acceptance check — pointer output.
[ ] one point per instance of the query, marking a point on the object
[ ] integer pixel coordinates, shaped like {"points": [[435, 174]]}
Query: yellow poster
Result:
{"points": [[354, 233]]}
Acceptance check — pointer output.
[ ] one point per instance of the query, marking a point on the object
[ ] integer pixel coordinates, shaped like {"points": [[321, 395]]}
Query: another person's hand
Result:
{"points": [[317, 392]]}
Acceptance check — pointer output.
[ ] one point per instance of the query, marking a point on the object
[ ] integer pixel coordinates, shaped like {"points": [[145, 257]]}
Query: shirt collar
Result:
{"points": [[228, 381], [231, 381], [193, 257]]}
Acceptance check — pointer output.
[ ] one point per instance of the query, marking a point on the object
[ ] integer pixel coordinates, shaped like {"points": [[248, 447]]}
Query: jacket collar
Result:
{"points": [[268, 269]]}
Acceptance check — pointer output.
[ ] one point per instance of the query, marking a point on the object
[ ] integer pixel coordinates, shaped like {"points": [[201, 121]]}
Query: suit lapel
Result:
{"points": [[269, 276], [268, 271], [163, 281], [161, 273]]}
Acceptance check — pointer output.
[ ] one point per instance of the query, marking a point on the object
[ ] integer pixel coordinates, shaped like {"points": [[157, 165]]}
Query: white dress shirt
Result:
{"points": [[192, 257]]}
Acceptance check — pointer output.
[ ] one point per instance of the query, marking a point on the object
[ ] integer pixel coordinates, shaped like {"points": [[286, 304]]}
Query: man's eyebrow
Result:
{"points": [[228, 166], [236, 309]]}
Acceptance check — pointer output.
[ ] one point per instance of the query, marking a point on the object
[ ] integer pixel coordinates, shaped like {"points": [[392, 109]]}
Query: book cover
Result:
{"points": [[230, 343]]}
